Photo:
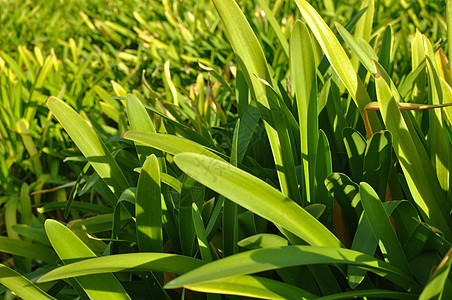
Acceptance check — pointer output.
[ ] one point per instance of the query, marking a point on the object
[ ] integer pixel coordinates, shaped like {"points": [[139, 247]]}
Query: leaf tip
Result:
{"points": [[48, 99], [124, 135]]}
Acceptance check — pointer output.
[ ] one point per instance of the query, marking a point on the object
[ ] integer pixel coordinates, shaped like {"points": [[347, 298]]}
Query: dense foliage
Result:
{"points": [[222, 149]]}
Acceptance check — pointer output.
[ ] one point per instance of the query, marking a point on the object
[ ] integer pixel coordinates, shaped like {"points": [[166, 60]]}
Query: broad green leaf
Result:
{"points": [[90, 145], [20, 285], [156, 262], [415, 164], [168, 143], [273, 258], [252, 286], [382, 228], [71, 249], [148, 208], [139, 120], [256, 196], [304, 78]]}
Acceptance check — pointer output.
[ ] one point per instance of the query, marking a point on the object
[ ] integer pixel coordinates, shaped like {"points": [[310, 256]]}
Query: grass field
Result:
{"points": [[225, 149]]}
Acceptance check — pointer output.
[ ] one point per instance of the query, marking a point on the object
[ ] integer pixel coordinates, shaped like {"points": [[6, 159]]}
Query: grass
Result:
{"points": [[223, 149]]}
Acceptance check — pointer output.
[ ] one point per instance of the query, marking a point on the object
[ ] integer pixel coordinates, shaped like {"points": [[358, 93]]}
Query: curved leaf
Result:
{"points": [[279, 257], [20, 285], [90, 145], [157, 262], [256, 196], [70, 249]]}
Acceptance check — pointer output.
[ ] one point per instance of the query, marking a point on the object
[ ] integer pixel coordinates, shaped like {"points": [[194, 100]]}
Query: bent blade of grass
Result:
{"points": [[70, 249], [418, 171], [90, 145], [279, 257], [20, 285], [256, 196], [168, 143], [155, 262]]}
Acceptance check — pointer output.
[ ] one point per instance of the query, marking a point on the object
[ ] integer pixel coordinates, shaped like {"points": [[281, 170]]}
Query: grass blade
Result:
{"points": [[416, 167], [273, 258], [156, 262], [382, 228], [20, 285], [71, 249], [256, 196], [148, 208], [90, 145]]}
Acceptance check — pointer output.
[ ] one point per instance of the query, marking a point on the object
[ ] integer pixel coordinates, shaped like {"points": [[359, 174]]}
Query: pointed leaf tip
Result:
{"points": [[123, 136]]}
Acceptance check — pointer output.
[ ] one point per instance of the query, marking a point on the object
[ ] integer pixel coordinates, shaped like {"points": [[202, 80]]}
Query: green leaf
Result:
{"points": [[378, 161], [263, 240], [251, 60], [90, 145], [275, 25], [20, 285], [355, 145], [346, 193], [418, 171], [139, 120], [71, 249], [382, 228], [156, 262], [304, 78], [252, 286], [335, 54], [279, 257], [201, 234], [27, 249], [256, 196], [168, 143], [434, 289], [323, 168], [148, 208]]}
